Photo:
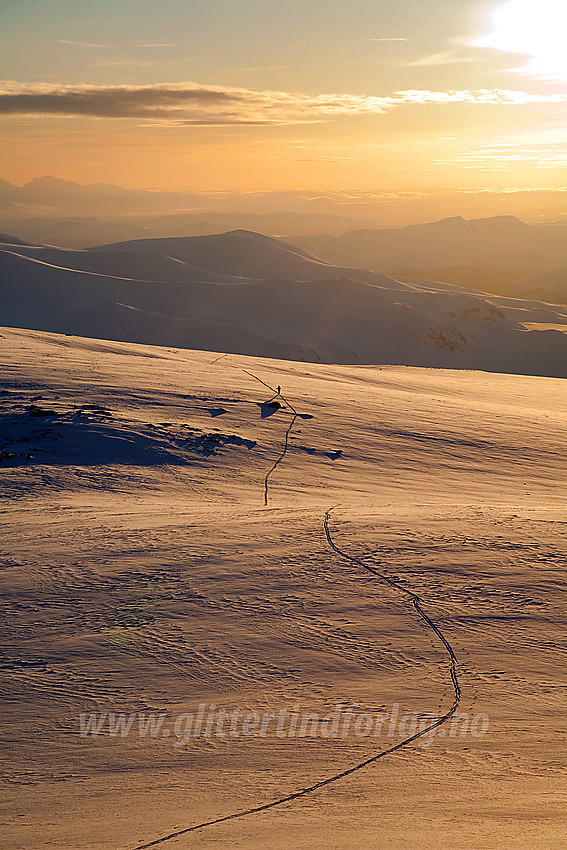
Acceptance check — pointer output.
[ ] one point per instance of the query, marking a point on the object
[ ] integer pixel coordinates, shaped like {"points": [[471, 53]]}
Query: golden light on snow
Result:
{"points": [[535, 28]]}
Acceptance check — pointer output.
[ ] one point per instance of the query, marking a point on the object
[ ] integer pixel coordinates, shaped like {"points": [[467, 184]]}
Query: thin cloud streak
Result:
{"points": [[192, 104], [84, 44], [446, 57], [502, 156]]}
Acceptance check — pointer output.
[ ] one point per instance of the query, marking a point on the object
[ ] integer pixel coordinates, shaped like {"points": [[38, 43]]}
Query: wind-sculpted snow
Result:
{"points": [[92, 436], [426, 730], [146, 584]]}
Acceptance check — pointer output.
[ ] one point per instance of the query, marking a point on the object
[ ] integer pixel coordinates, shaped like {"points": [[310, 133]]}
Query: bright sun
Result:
{"points": [[536, 28]]}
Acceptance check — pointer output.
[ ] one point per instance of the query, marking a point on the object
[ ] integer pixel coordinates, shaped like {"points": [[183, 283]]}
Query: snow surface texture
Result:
{"points": [[143, 572], [249, 294]]}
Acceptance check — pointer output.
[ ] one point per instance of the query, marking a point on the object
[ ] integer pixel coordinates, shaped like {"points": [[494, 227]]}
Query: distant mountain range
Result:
{"points": [[246, 293], [486, 254], [549, 285], [67, 214]]}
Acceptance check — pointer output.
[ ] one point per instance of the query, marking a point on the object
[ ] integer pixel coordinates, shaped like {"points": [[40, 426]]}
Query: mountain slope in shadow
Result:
{"points": [[345, 316], [481, 253], [241, 253]]}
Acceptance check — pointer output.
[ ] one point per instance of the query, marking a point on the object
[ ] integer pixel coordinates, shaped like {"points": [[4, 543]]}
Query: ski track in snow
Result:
{"points": [[281, 457], [415, 603]]}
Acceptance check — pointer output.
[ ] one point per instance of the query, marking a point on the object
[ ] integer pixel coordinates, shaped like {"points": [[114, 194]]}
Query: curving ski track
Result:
{"points": [[286, 437], [415, 601], [281, 457]]}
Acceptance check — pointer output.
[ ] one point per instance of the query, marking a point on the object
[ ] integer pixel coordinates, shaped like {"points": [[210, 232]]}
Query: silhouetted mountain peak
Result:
{"points": [[4, 184], [49, 182]]}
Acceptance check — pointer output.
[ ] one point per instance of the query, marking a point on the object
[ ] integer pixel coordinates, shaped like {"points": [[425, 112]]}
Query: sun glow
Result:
{"points": [[535, 28]]}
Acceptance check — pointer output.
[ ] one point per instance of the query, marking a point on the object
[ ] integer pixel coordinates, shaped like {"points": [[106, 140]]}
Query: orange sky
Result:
{"points": [[252, 94]]}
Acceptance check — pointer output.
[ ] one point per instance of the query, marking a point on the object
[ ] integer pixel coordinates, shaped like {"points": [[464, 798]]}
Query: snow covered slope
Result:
{"points": [[240, 252], [190, 293], [143, 575], [133, 265]]}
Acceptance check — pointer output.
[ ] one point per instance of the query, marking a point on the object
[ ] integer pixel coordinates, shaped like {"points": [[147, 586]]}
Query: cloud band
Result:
{"points": [[194, 104]]}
